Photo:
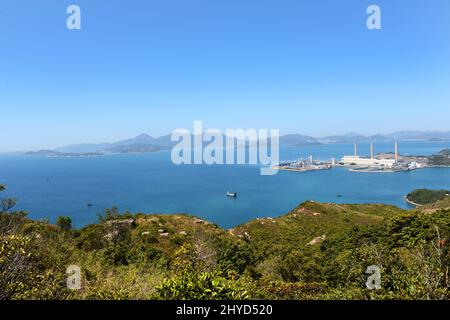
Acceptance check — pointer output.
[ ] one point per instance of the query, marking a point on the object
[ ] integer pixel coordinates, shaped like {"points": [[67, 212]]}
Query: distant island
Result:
{"points": [[422, 197], [52, 153]]}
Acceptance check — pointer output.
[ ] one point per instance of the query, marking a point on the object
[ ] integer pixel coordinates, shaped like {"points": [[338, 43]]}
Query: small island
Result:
{"points": [[52, 153], [422, 197]]}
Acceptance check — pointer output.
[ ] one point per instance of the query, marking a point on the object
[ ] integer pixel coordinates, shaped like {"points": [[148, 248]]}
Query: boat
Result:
{"points": [[231, 194]]}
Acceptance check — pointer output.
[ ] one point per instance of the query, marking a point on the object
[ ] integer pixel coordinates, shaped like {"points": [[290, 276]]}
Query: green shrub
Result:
{"points": [[65, 223], [192, 285]]}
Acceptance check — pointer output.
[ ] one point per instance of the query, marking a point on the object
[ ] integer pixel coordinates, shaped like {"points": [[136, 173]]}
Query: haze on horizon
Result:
{"points": [[302, 66]]}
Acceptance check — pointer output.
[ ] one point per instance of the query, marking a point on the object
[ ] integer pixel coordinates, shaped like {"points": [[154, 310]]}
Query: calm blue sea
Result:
{"points": [[49, 187]]}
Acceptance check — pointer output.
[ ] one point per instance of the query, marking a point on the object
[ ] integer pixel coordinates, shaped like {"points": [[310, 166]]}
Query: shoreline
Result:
{"points": [[299, 169], [416, 205], [208, 221], [375, 171]]}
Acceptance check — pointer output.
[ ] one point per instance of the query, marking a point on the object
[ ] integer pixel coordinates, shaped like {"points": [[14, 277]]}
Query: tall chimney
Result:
{"points": [[371, 150], [356, 150], [396, 151]]}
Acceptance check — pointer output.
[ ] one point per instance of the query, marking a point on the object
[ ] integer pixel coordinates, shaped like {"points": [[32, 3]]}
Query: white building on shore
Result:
{"points": [[356, 160]]}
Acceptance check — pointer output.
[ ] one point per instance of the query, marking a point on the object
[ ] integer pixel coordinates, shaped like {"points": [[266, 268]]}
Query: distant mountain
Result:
{"points": [[147, 143], [380, 137], [297, 140], [165, 141], [420, 135], [142, 139], [140, 143], [84, 147], [400, 136], [346, 138], [133, 148]]}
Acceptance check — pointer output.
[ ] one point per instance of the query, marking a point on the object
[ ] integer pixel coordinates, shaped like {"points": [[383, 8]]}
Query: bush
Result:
{"points": [[192, 285], [65, 223], [24, 274]]}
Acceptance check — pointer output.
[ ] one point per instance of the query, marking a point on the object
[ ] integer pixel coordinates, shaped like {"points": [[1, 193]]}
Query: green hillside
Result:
{"points": [[441, 159], [316, 251]]}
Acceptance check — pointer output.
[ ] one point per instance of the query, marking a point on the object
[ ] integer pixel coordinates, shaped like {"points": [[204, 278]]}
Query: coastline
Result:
{"points": [[373, 171], [206, 221], [412, 203], [298, 169]]}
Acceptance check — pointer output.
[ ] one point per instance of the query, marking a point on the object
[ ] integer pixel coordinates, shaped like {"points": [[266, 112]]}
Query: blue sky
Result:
{"points": [[151, 66]]}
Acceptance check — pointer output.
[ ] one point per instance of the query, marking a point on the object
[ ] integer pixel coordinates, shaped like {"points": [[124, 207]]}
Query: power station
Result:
{"points": [[356, 160]]}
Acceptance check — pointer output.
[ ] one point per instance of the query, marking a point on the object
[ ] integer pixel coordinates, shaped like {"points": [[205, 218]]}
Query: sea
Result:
{"points": [[47, 187]]}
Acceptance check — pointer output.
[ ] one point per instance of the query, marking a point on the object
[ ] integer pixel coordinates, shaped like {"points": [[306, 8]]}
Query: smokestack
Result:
{"points": [[356, 150], [371, 150], [396, 151]]}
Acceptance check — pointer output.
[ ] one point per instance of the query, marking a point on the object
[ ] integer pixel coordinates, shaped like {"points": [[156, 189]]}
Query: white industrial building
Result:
{"points": [[356, 160]]}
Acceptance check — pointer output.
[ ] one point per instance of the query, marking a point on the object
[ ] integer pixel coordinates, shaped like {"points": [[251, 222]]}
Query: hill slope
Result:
{"points": [[316, 251]]}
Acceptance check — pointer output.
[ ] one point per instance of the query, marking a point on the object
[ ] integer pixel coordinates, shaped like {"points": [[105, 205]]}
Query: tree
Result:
{"points": [[65, 223], [8, 203], [10, 221]]}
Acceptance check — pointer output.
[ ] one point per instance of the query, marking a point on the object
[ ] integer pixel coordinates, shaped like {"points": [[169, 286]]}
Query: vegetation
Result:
{"points": [[426, 196], [64, 223], [316, 251], [441, 159]]}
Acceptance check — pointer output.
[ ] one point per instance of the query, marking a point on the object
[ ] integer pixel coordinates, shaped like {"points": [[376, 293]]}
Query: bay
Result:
{"points": [[47, 187]]}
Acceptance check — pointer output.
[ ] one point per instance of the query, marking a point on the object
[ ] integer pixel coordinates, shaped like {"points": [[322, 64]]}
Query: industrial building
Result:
{"points": [[356, 160]]}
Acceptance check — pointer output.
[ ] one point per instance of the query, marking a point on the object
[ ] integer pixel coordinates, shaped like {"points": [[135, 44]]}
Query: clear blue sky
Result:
{"points": [[303, 66]]}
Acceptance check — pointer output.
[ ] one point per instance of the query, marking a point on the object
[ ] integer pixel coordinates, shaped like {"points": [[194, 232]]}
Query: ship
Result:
{"points": [[231, 194]]}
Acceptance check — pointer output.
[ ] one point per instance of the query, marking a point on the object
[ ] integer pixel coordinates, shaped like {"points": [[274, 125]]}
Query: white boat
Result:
{"points": [[231, 194]]}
